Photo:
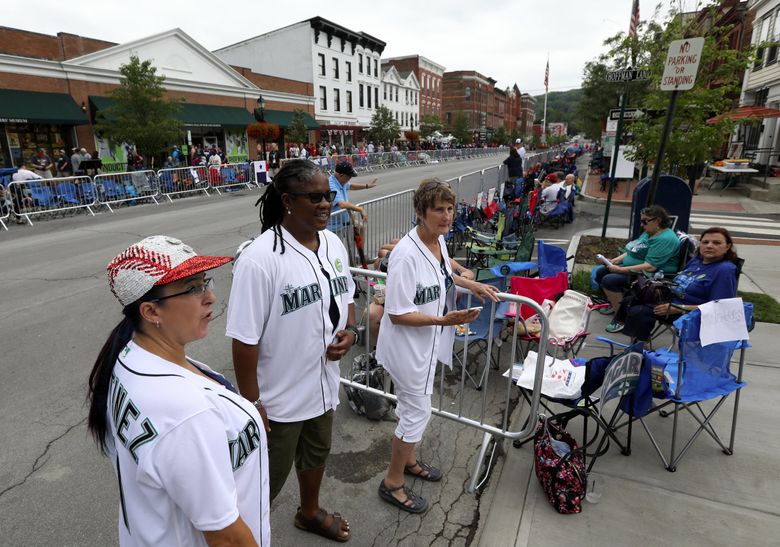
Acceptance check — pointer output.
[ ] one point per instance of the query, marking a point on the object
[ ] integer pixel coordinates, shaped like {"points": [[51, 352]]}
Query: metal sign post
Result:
{"points": [[680, 69]]}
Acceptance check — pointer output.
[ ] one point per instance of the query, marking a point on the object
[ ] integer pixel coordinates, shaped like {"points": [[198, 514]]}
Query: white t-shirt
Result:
{"points": [[415, 283], [190, 454], [24, 174], [282, 302], [521, 153], [550, 194]]}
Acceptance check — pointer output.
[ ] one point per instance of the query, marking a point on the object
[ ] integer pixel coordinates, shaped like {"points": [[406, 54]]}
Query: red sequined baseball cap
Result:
{"points": [[155, 260]]}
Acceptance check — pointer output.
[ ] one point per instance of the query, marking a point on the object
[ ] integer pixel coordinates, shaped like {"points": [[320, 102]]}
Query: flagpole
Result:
{"points": [[546, 87]]}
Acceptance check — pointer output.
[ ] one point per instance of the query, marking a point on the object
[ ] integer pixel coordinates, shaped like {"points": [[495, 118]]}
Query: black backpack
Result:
{"points": [[366, 371]]}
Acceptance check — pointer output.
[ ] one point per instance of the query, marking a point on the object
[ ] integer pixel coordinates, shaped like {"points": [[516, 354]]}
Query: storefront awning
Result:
{"points": [[197, 115], [36, 107], [283, 119], [747, 112]]}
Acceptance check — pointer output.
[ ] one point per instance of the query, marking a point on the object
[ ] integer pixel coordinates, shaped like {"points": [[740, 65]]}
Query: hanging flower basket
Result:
{"points": [[412, 135], [263, 131]]}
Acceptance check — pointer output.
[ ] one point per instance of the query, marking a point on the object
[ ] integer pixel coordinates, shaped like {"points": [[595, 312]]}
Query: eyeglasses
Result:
{"points": [[316, 197], [196, 290], [644, 221]]}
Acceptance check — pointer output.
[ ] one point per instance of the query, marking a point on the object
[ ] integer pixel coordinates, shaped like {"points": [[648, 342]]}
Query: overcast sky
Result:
{"points": [[508, 40]]}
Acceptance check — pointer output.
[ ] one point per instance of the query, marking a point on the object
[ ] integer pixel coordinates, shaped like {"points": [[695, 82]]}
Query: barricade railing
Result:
{"points": [[127, 187], [230, 175], [43, 196], [465, 406], [183, 180], [6, 207]]}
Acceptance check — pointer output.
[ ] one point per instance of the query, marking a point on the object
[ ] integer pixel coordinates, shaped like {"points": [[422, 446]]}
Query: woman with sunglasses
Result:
{"points": [[417, 332], [658, 248], [189, 452], [291, 317]]}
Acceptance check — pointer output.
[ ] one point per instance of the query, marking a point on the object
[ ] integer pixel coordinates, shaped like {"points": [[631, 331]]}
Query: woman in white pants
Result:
{"points": [[417, 331]]}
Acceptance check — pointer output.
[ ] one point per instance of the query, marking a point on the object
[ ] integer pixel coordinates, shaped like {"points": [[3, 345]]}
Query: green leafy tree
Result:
{"points": [[141, 115], [297, 131], [429, 124], [500, 136], [460, 128], [384, 128]]}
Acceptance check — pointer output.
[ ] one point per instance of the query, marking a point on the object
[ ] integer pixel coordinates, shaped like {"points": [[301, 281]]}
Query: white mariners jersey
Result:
{"points": [[416, 282], [190, 455], [282, 302]]}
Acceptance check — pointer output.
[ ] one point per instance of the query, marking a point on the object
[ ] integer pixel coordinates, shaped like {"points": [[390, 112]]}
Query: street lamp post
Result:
{"points": [[260, 117]]}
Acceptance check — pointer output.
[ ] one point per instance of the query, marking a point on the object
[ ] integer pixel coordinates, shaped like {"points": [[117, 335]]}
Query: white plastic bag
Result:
{"points": [[561, 379]]}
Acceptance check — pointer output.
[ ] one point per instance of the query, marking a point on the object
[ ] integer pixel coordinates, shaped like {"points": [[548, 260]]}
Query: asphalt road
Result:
{"points": [[55, 312]]}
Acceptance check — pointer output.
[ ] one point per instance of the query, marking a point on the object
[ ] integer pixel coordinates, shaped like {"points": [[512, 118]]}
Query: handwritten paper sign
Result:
{"points": [[723, 321]]}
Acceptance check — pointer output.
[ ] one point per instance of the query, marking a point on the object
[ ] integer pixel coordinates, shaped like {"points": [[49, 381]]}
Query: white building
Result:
{"points": [[401, 95], [342, 65]]}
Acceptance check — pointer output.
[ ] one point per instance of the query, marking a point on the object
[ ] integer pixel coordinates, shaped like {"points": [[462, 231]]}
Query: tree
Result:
{"points": [[384, 128], [141, 115], [429, 124], [297, 131], [460, 128], [500, 136]]}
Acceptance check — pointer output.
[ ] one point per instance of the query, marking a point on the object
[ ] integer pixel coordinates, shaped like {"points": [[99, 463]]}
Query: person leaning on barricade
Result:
{"points": [[291, 317], [189, 452], [340, 182], [417, 331]]}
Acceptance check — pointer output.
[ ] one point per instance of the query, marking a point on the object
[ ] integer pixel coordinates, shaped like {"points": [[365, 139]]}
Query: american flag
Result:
{"points": [[634, 19], [547, 75]]}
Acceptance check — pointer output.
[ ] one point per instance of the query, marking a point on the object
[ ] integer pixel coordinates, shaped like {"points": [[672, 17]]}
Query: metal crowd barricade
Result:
{"points": [[468, 186], [230, 176], [389, 217], [127, 187], [45, 196], [470, 407], [183, 180]]}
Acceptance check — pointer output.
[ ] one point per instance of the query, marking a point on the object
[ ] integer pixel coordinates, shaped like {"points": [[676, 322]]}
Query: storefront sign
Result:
{"points": [[14, 120]]}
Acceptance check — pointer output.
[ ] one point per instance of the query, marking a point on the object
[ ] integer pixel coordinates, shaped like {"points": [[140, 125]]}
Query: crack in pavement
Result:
{"points": [[35, 465]]}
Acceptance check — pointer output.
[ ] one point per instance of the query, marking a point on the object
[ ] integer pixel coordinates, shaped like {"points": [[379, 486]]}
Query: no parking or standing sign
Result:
{"points": [[681, 65]]}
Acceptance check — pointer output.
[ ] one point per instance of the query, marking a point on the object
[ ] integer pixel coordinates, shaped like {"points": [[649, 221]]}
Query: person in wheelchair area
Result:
{"points": [[711, 275]]}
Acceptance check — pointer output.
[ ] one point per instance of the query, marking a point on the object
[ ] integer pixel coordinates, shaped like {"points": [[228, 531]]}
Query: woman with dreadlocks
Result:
{"points": [[291, 318]]}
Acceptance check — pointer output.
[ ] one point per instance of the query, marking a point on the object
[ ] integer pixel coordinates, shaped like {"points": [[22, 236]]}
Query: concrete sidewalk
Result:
{"points": [[712, 499]]}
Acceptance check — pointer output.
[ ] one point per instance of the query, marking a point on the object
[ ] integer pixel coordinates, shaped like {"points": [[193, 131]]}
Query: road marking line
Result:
{"points": [[751, 231], [768, 224]]}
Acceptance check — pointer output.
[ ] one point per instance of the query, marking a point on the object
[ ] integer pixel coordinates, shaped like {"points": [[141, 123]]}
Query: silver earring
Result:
{"points": [[289, 212], [158, 324]]}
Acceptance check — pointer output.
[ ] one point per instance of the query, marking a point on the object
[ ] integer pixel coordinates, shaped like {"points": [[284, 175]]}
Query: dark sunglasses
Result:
{"points": [[316, 197], [644, 221]]}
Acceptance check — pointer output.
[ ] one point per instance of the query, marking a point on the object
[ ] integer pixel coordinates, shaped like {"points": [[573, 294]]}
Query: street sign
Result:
{"points": [[612, 126], [681, 65], [627, 75], [628, 114]]}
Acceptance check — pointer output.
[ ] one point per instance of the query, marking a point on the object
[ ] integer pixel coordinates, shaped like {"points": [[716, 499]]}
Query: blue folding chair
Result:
{"points": [[42, 195], [68, 193], [113, 190], [552, 260], [87, 192]]}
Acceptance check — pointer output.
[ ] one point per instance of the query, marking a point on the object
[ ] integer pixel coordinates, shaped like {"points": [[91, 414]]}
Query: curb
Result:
{"points": [[594, 199]]}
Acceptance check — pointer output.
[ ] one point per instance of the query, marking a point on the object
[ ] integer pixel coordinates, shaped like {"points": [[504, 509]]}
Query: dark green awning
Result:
{"points": [[36, 107], [283, 119], [197, 115]]}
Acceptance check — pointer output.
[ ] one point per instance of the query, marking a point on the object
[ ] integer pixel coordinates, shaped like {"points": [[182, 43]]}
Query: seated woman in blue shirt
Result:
{"points": [[712, 275]]}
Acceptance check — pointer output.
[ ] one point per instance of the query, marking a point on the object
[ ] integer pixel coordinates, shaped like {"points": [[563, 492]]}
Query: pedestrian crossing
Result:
{"points": [[739, 226]]}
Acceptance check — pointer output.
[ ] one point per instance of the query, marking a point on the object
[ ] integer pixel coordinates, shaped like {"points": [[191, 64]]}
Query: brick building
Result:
{"points": [[429, 76], [340, 64], [527, 115], [469, 92], [52, 87]]}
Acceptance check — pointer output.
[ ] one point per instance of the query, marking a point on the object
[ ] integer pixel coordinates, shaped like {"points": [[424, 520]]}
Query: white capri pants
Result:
{"points": [[414, 413]]}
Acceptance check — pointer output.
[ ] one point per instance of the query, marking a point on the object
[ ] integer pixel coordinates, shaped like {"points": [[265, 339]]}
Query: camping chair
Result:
{"points": [[552, 260], [487, 327], [68, 193], [617, 377], [689, 379], [42, 195]]}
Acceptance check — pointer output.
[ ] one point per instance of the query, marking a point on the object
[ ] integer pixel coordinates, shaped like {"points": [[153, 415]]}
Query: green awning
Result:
{"points": [[283, 119], [197, 115], [36, 107]]}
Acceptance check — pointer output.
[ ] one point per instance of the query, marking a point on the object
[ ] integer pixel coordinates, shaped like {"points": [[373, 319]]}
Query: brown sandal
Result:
{"points": [[316, 525]]}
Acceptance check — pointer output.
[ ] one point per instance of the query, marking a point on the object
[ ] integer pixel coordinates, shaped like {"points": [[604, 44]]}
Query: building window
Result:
{"points": [[376, 68], [368, 92], [467, 94], [406, 96], [335, 68], [384, 92], [360, 95], [396, 94], [321, 63], [336, 99], [323, 98], [349, 71], [349, 101], [762, 38], [771, 56], [396, 117], [376, 96], [449, 118], [360, 63]]}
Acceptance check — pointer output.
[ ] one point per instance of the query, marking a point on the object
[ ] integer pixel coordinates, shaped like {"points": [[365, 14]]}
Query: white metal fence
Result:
{"points": [[183, 180], [129, 187], [49, 196], [230, 176], [458, 402]]}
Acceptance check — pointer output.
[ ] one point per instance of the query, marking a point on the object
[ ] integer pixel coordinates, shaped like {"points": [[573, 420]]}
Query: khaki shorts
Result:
{"points": [[307, 443]]}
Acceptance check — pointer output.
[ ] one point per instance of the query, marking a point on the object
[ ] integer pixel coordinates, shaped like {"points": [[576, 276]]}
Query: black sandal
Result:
{"points": [[432, 474], [316, 525], [412, 504]]}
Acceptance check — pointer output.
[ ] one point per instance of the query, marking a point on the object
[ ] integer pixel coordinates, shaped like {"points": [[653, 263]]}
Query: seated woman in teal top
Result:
{"points": [[658, 248]]}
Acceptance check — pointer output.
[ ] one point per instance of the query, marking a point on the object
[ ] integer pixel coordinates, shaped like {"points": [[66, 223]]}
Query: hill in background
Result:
{"points": [[561, 107]]}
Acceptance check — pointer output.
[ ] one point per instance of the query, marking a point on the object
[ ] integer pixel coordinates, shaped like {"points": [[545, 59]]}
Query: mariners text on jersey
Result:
{"points": [[295, 298], [247, 442], [424, 295]]}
